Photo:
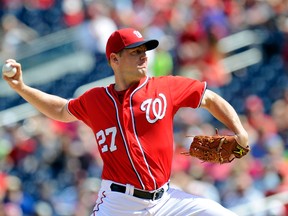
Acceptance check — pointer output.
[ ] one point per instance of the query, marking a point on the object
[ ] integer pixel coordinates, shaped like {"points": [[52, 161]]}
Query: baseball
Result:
{"points": [[8, 70]]}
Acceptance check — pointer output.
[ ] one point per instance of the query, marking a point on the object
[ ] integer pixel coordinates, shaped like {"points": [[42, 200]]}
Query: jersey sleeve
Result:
{"points": [[186, 92], [79, 108]]}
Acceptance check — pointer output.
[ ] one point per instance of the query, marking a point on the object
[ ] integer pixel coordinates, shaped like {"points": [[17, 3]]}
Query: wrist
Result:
{"points": [[242, 138]]}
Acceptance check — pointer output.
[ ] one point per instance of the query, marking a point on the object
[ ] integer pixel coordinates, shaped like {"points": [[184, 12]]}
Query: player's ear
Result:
{"points": [[114, 58]]}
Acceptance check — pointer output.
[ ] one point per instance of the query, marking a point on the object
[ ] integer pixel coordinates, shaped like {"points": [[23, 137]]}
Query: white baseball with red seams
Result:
{"points": [[8, 70]]}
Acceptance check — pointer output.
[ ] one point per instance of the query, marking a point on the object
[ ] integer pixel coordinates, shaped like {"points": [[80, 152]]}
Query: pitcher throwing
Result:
{"points": [[132, 121]]}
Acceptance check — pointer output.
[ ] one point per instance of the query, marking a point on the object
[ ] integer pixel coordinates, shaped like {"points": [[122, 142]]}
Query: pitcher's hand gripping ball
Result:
{"points": [[216, 148], [8, 70]]}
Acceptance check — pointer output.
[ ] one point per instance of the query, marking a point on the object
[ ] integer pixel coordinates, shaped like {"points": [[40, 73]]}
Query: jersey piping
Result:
{"points": [[123, 137], [205, 86], [136, 136]]}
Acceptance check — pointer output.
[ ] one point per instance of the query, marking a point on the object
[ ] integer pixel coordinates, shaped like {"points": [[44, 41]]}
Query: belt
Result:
{"points": [[139, 193]]}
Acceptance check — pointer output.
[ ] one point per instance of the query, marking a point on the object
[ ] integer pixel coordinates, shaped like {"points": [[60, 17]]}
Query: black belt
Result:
{"points": [[138, 193]]}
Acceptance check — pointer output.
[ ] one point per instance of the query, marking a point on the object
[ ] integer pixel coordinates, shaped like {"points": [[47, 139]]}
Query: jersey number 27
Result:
{"points": [[101, 137]]}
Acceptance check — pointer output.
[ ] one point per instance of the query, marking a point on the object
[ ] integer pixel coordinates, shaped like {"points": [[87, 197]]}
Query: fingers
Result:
{"points": [[15, 81], [10, 61], [242, 139], [13, 63]]}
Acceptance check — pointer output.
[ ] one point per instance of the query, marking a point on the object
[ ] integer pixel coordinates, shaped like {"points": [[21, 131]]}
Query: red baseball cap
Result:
{"points": [[127, 38]]}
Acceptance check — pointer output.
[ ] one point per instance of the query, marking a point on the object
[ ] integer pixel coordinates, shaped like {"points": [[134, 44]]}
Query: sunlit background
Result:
{"points": [[240, 47]]}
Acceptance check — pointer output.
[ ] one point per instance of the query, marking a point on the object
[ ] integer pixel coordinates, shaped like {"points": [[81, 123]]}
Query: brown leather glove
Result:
{"points": [[216, 148]]}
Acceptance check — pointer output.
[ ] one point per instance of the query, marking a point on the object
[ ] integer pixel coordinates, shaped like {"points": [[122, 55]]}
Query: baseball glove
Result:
{"points": [[216, 148]]}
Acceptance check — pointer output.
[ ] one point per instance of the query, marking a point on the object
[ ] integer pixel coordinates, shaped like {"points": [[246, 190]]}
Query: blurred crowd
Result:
{"points": [[48, 168]]}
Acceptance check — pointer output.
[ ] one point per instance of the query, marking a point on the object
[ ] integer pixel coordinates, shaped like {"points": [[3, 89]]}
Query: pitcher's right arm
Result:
{"points": [[50, 105]]}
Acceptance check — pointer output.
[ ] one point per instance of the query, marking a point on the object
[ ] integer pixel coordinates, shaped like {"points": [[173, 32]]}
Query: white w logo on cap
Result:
{"points": [[138, 34]]}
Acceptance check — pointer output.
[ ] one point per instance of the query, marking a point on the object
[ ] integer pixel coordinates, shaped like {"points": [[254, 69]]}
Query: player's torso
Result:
{"points": [[135, 136]]}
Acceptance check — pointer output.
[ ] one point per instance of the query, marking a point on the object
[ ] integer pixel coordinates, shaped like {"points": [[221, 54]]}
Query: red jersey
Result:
{"points": [[135, 134]]}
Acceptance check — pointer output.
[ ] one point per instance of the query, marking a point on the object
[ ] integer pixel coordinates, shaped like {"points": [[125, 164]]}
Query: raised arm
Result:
{"points": [[50, 105], [226, 114]]}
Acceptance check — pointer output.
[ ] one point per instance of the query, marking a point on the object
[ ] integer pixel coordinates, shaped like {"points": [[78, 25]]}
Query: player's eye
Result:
{"points": [[138, 51], [134, 52]]}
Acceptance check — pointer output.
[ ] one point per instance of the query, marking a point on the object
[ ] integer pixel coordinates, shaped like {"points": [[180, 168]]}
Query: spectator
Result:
{"points": [[15, 34]]}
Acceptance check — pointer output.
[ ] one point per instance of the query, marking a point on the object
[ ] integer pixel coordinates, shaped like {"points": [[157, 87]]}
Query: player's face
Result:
{"points": [[133, 61]]}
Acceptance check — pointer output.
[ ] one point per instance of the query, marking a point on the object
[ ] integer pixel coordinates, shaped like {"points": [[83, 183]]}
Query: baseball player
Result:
{"points": [[132, 120]]}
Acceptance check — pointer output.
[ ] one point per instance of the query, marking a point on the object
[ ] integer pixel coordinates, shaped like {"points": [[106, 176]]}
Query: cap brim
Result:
{"points": [[150, 44]]}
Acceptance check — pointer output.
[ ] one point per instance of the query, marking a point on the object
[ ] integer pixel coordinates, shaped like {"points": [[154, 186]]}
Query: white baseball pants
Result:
{"points": [[174, 202]]}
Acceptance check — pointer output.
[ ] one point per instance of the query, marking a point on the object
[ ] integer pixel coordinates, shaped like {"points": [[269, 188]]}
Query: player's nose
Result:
{"points": [[143, 56]]}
